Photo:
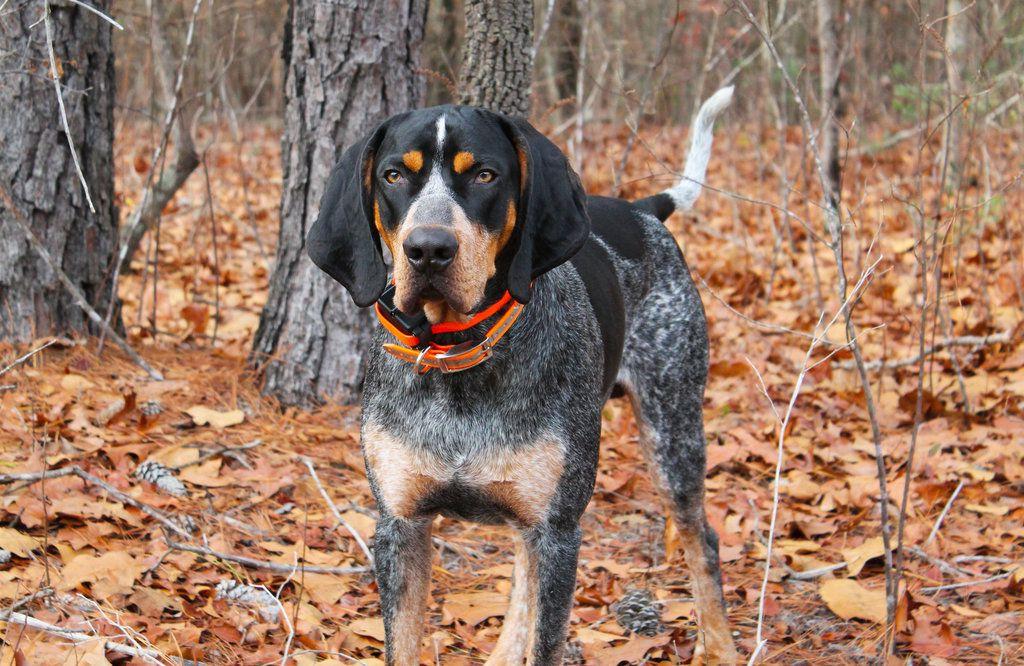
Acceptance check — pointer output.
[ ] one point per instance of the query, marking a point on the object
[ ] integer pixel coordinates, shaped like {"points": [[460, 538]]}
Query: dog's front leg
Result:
{"points": [[403, 554], [555, 550], [517, 627]]}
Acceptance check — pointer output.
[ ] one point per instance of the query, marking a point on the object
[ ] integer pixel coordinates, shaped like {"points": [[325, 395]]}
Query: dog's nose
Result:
{"points": [[430, 249]]}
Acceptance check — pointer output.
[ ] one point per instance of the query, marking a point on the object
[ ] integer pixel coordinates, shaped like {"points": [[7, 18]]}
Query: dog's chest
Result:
{"points": [[483, 483]]}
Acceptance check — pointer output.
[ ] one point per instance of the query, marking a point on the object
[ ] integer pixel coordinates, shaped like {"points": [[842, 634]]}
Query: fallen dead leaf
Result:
{"points": [[372, 627], [473, 607], [19, 543], [205, 416], [856, 558], [116, 570], [849, 599]]}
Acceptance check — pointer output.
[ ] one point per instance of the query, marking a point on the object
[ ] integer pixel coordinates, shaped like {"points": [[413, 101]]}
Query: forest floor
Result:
{"points": [[90, 560]]}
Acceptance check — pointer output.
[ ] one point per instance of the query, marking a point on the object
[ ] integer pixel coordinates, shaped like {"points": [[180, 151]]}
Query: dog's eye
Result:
{"points": [[486, 176], [392, 176]]}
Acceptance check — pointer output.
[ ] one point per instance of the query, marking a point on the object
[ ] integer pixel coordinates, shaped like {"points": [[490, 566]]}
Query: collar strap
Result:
{"points": [[452, 358]]}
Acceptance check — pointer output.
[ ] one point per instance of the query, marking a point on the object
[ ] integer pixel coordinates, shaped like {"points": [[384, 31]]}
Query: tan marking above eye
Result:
{"points": [[413, 160], [462, 162]]}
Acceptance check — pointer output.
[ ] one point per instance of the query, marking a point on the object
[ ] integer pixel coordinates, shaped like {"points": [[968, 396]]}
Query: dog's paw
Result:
{"points": [[714, 655]]}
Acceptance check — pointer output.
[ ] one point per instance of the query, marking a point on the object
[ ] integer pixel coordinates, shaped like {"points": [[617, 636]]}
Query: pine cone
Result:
{"points": [[151, 408], [5, 556], [638, 612], [187, 523], [161, 477], [574, 654], [247, 595]]}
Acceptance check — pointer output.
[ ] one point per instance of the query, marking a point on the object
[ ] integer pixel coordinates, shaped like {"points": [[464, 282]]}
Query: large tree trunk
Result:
{"points": [[349, 66], [497, 60], [38, 176]]}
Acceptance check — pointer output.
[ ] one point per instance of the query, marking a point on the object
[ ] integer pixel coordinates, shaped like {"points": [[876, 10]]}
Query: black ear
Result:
{"points": [[344, 241], [552, 222]]}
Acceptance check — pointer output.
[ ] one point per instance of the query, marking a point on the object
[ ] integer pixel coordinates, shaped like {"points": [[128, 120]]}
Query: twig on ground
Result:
{"points": [[224, 450], [290, 622], [812, 574], [21, 359], [75, 470], [26, 600], [262, 564], [942, 516], [963, 559], [79, 637], [960, 341], [337, 514], [76, 294], [967, 583], [941, 564]]}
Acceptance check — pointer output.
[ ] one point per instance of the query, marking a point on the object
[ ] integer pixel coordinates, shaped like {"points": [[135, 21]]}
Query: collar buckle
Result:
{"points": [[478, 353]]}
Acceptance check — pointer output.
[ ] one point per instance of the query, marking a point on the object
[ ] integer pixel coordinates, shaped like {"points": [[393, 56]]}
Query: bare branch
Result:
{"points": [[263, 564], [21, 359], [97, 12], [75, 470], [48, 29], [337, 514], [150, 655]]}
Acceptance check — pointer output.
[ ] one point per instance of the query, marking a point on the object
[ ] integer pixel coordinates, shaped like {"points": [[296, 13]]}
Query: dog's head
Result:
{"points": [[462, 198]]}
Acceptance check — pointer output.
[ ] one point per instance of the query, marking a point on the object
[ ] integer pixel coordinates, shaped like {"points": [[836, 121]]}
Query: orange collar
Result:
{"points": [[452, 358]]}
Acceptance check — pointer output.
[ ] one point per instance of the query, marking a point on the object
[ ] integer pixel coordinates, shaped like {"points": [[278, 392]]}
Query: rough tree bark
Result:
{"points": [[37, 172], [349, 66], [497, 60]]}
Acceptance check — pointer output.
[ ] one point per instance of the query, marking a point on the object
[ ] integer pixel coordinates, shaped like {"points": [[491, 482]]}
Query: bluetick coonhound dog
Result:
{"points": [[514, 306]]}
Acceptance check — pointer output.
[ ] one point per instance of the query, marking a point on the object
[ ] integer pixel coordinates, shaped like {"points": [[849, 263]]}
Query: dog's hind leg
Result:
{"points": [[672, 438], [663, 374], [403, 554]]}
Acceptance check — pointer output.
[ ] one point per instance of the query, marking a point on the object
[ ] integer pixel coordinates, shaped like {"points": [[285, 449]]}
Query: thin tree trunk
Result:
{"points": [[173, 177], [955, 41], [497, 60], [830, 54], [349, 66], [567, 50], [37, 171]]}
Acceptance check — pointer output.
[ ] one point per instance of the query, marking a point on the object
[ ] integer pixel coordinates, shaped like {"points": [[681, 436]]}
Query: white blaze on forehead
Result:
{"points": [[441, 131]]}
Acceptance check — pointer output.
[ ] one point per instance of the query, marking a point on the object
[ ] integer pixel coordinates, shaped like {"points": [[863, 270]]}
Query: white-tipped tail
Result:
{"points": [[684, 193]]}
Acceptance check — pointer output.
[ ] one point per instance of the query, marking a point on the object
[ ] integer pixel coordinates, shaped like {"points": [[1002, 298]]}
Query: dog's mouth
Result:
{"points": [[430, 293], [435, 292]]}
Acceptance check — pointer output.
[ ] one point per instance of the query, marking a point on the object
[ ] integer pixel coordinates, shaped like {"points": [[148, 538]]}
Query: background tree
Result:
{"points": [[171, 177], [38, 179], [497, 59], [349, 66]]}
